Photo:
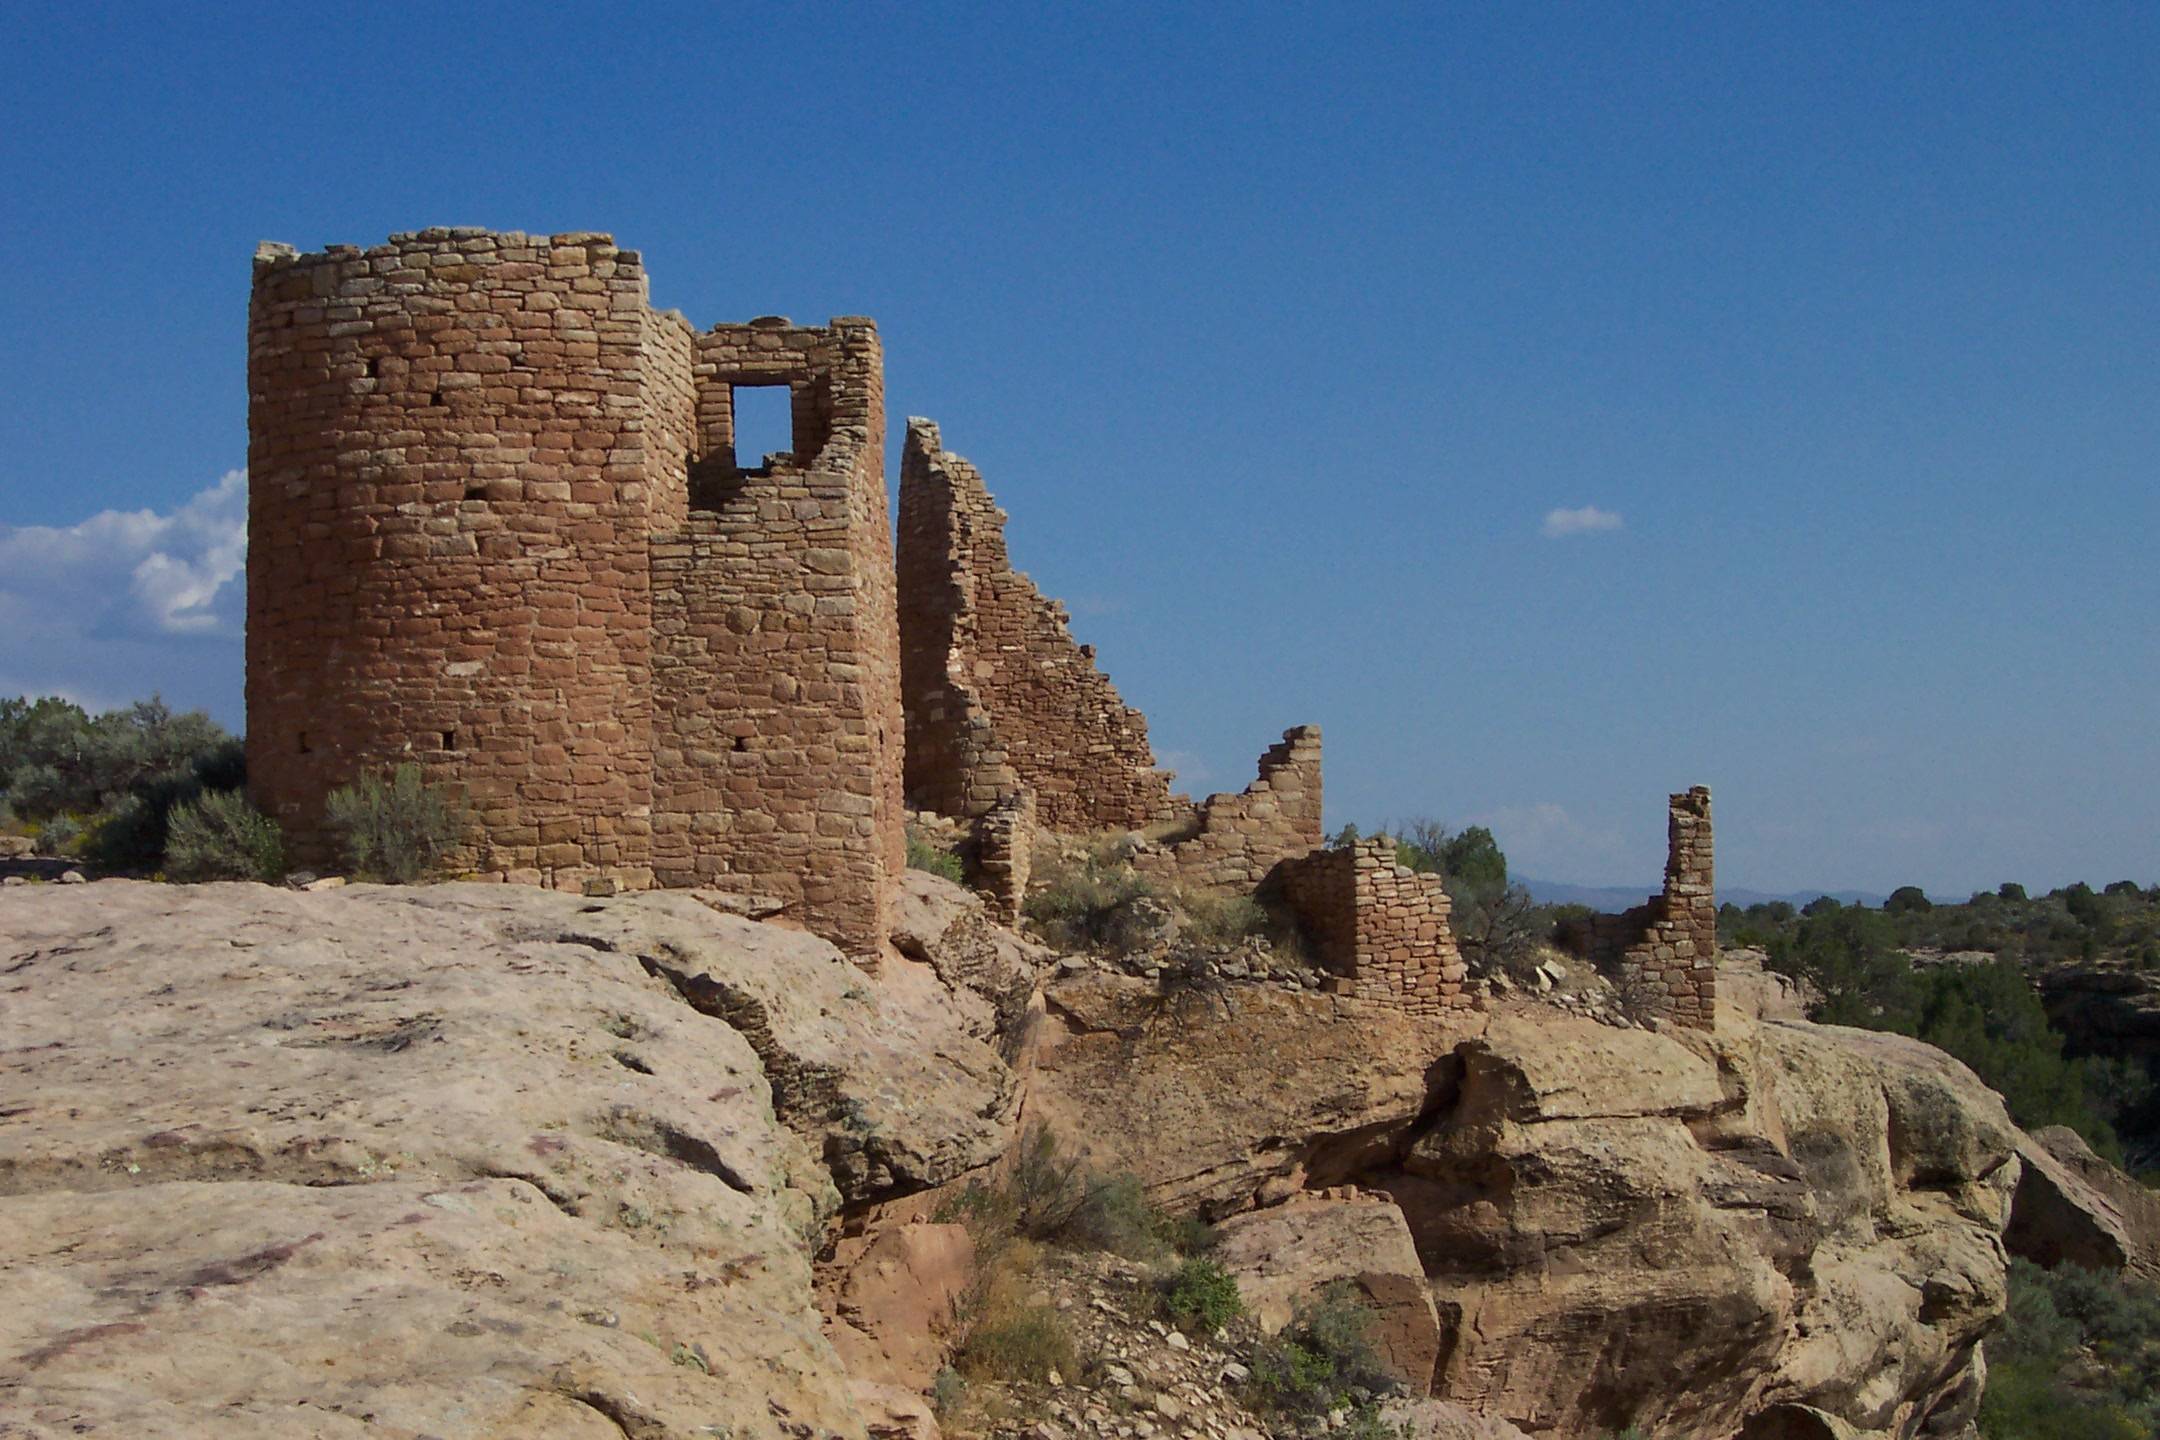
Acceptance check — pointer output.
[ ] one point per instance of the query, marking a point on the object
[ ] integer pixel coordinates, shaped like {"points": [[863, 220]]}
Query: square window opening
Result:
{"points": [[764, 424]]}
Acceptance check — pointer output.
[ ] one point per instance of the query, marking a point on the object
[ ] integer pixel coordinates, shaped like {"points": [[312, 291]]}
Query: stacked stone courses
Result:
{"points": [[1380, 928], [777, 675], [497, 530], [998, 694], [1238, 840], [1004, 854], [1663, 954]]}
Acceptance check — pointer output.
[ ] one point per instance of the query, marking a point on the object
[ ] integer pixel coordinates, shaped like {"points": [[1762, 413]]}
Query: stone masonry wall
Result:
{"points": [[1004, 855], [497, 529], [776, 672], [1240, 838], [1381, 928], [1664, 954], [997, 693], [448, 509]]}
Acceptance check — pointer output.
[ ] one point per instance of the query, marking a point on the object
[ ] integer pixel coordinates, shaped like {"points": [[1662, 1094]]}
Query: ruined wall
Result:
{"points": [[996, 691], [776, 674], [1663, 954], [1004, 854], [1240, 838], [448, 507], [1380, 928]]}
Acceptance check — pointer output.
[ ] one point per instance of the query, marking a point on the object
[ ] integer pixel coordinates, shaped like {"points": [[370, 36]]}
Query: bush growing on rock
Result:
{"points": [[1095, 903], [1050, 1196], [220, 836], [398, 829], [1007, 1333], [1222, 920], [922, 855], [1202, 1296], [1322, 1361]]}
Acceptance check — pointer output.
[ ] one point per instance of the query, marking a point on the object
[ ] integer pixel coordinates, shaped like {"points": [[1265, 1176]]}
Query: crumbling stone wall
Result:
{"points": [[1663, 954], [1004, 854], [1381, 928], [1238, 839], [997, 693], [498, 529]]}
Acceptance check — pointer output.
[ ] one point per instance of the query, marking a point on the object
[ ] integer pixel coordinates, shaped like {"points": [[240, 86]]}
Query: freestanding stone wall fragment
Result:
{"points": [[497, 529], [1239, 839], [1664, 954], [997, 692], [1004, 854], [1381, 928]]}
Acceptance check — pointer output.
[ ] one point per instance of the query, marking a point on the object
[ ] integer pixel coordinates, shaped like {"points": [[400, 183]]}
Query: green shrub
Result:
{"points": [[1202, 1297], [1116, 1215], [1222, 922], [397, 830], [220, 836], [2078, 1355], [59, 836], [1187, 1234], [1046, 1185], [922, 855], [1320, 1361], [1051, 1196], [1096, 904]]}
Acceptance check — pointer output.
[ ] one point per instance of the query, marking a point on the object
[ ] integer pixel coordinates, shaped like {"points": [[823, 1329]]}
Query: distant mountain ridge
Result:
{"points": [[1622, 897]]}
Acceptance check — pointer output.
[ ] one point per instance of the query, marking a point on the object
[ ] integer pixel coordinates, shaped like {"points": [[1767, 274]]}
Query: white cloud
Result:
{"points": [[1588, 520], [136, 571], [121, 604]]}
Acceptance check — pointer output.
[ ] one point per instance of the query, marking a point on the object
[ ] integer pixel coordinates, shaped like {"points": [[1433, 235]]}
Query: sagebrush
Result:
{"points": [[397, 829], [1094, 903], [220, 836], [1049, 1195]]}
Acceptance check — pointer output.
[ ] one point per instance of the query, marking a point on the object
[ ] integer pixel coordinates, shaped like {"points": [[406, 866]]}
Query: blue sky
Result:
{"points": [[1282, 334]]}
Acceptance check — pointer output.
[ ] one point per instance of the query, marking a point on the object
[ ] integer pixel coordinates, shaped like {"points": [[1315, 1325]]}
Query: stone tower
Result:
{"points": [[498, 530]]}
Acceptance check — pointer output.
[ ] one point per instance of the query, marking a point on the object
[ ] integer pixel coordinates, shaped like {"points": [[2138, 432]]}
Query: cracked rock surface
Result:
{"points": [[461, 1160], [1701, 1235]]}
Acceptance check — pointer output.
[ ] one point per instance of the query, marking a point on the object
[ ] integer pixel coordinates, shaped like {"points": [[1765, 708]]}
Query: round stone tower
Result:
{"points": [[459, 444]]}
